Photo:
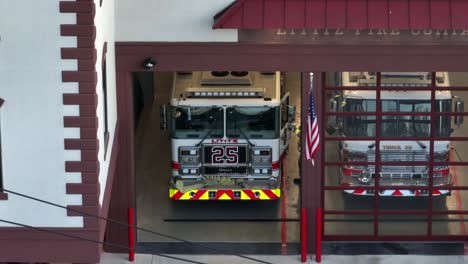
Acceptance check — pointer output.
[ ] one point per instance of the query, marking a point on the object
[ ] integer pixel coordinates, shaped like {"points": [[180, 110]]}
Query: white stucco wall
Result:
{"points": [[170, 20], [104, 21], [32, 116]]}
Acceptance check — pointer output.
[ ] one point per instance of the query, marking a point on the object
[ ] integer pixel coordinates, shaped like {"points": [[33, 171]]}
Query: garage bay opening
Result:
{"points": [[216, 156]]}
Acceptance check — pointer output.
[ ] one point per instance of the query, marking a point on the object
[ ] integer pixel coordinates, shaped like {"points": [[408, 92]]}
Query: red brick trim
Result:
{"points": [[85, 42], [25, 245], [82, 166], [81, 144], [88, 200], [79, 76], [78, 30], [83, 122], [87, 87], [88, 155], [88, 110], [89, 177], [80, 99], [94, 210], [88, 133], [76, 7], [82, 188], [84, 19], [86, 76], [86, 65], [79, 53]]}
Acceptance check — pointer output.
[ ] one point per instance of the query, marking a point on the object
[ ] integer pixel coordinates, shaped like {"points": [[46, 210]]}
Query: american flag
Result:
{"points": [[312, 130]]}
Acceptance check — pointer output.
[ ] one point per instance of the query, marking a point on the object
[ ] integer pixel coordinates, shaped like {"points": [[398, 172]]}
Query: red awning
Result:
{"points": [[344, 14]]}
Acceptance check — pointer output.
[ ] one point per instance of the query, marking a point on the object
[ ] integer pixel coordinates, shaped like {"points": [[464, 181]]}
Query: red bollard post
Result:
{"points": [[318, 235], [303, 235], [131, 234]]}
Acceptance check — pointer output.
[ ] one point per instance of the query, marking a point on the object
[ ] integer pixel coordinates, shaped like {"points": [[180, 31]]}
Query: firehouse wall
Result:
{"points": [[261, 57]]}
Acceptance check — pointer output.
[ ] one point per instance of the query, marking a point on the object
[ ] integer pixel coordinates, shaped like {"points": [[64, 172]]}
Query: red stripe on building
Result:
{"points": [[344, 14]]}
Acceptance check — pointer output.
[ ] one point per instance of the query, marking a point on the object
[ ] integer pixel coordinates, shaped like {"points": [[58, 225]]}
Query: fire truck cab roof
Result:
{"points": [[401, 81], [218, 88]]}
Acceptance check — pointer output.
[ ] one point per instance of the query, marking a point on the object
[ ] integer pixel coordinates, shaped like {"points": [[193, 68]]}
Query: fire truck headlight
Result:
{"points": [[189, 171], [272, 182], [189, 155], [261, 171], [189, 160], [261, 155]]}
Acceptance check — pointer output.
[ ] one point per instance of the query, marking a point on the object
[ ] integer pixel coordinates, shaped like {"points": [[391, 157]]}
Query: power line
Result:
{"points": [[92, 240], [134, 226]]}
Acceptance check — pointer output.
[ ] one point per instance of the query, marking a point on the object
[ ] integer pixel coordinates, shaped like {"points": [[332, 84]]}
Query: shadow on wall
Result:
{"points": [[142, 93]]}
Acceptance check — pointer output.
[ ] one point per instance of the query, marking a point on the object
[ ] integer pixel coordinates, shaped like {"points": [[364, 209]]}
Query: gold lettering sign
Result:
{"points": [[346, 36]]}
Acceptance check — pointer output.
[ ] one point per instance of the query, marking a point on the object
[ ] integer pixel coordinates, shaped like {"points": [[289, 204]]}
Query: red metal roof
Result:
{"points": [[344, 14]]}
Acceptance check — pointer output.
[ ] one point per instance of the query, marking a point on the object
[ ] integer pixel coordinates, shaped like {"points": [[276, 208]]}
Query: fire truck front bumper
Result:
{"points": [[225, 188], [396, 187], [225, 194]]}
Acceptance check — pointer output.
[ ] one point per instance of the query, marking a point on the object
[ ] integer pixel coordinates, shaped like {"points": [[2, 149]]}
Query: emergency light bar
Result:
{"points": [[225, 94]]}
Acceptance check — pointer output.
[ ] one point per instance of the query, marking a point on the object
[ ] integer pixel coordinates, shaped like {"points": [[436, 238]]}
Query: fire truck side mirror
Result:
{"points": [[291, 113], [333, 104], [163, 118], [459, 108]]}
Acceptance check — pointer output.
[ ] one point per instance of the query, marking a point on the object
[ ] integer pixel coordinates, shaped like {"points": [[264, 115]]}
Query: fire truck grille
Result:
{"points": [[217, 170], [400, 171], [224, 154]]}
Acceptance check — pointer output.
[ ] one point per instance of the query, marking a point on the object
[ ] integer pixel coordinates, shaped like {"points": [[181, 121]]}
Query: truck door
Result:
{"points": [[285, 134]]}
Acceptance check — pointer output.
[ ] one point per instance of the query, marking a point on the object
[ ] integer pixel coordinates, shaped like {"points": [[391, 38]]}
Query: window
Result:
{"points": [[197, 122], [252, 122], [3, 195], [104, 97]]}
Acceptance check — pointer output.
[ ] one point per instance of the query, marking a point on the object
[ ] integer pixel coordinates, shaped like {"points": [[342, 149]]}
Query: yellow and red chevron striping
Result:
{"points": [[260, 194]]}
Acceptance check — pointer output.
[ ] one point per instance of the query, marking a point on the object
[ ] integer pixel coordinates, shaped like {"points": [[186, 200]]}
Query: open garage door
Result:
{"points": [[395, 156], [224, 175]]}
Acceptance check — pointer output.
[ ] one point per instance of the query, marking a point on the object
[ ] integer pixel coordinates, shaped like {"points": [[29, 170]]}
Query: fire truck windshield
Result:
{"points": [[395, 125], [254, 122], [197, 122]]}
